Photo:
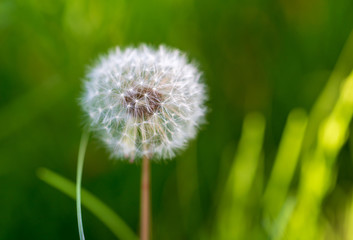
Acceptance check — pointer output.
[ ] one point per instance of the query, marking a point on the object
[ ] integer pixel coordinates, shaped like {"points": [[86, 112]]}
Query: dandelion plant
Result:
{"points": [[143, 103]]}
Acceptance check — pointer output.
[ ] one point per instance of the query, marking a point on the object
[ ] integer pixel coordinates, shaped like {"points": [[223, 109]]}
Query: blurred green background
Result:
{"points": [[248, 175]]}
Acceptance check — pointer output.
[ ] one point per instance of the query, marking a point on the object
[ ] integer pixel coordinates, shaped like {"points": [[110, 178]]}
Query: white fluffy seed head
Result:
{"points": [[144, 101]]}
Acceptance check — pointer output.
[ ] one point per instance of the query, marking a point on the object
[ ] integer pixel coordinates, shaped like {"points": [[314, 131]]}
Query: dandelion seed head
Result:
{"points": [[144, 101]]}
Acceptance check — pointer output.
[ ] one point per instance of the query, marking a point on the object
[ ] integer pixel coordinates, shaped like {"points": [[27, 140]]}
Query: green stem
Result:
{"points": [[80, 160]]}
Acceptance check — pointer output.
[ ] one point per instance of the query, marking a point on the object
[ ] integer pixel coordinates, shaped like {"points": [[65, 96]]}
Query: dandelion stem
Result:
{"points": [[145, 200], [80, 160]]}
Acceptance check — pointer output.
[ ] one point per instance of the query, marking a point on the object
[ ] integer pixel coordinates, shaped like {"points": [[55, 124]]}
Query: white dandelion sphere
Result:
{"points": [[144, 101]]}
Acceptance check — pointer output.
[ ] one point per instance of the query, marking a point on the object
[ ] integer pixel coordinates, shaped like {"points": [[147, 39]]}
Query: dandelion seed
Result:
{"points": [[155, 93]]}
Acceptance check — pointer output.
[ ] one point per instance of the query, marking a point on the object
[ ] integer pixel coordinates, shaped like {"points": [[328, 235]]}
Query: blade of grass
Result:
{"points": [[105, 214], [233, 222], [328, 97], [285, 163], [282, 219]]}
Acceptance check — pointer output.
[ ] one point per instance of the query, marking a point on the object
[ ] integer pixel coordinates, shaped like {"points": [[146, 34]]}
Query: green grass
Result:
{"points": [[282, 173]]}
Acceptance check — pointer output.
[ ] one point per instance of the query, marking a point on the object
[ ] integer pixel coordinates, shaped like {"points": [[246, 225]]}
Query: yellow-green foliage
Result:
{"points": [[290, 213]]}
